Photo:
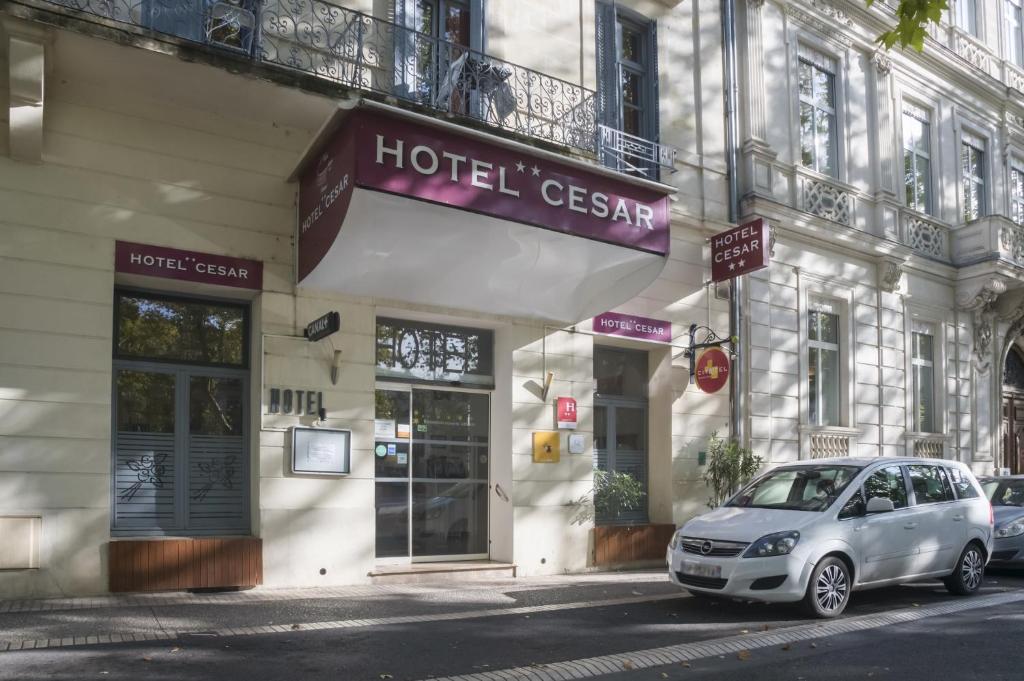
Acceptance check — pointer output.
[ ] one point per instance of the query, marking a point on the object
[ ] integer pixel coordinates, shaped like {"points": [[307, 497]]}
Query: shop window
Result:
{"points": [[823, 374], [917, 158], [922, 363], [620, 420], [972, 163], [180, 403], [819, 145], [421, 352]]}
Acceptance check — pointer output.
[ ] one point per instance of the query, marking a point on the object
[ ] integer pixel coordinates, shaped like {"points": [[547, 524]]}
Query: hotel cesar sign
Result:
{"points": [[739, 250], [174, 263], [433, 164]]}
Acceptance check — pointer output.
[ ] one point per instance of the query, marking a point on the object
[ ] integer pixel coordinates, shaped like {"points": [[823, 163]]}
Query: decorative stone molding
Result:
{"points": [[771, 241], [981, 301], [808, 19], [826, 201], [890, 274], [882, 62], [1011, 238]]}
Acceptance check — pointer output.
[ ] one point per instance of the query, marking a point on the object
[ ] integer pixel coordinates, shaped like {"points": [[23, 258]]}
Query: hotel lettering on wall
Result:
{"points": [[740, 250], [633, 326], [419, 161], [294, 402]]}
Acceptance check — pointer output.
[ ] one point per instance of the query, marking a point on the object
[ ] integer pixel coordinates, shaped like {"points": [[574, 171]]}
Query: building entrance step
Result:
{"points": [[448, 571]]}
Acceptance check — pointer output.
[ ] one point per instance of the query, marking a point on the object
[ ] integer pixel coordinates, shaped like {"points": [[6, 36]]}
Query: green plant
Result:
{"points": [[612, 494], [729, 466]]}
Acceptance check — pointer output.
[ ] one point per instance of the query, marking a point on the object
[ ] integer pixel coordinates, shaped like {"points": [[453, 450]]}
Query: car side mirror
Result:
{"points": [[880, 505]]}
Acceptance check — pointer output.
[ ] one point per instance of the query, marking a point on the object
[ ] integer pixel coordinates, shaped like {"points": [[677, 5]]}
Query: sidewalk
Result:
{"points": [[64, 622]]}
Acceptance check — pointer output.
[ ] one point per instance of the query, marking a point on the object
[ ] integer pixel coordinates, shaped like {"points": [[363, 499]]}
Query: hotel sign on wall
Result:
{"points": [[174, 263], [633, 326], [740, 250], [419, 161]]}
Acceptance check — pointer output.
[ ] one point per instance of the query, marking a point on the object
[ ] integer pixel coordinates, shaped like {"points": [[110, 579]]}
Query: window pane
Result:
{"points": [[923, 346], [432, 352], [826, 143], [450, 416], [909, 179], [829, 325], [620, 372], [217, 465], [829, 364], [824, 95], [928, 485], [923, 187], [215, 406], [145, 402], [187, 331], [962, 484], [600, 427], [813, 379], [629, 428], [392, 518], [449, 462], [924, 409], [887, 484], [806, 81], [854, 507], [449, 519], [807, 135], [632, 44]]}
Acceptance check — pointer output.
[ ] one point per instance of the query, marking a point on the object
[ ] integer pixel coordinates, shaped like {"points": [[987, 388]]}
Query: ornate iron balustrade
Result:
{"points": [[366, 53], [634, 155]]}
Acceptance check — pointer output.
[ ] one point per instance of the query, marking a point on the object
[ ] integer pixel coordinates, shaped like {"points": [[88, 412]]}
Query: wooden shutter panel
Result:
{"points": [[607, 68]]}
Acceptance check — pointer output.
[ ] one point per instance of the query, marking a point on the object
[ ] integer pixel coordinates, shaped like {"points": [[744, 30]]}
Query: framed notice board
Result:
{"points": [[321, 451]]}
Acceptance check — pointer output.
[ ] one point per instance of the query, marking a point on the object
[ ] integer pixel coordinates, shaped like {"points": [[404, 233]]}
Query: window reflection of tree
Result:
{"points": [[193, 332]]}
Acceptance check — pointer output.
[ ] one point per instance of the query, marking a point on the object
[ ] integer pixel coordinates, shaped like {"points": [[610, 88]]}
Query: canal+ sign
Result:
{"points": [[739, 250]]}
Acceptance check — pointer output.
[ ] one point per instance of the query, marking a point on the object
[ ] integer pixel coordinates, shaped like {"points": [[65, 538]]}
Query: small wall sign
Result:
{"points": [[321, 451], [566, 413], [577, 443], [545, 447], [323, 326], [712, 370], [739, 250], [295, 402], [633, 326]]}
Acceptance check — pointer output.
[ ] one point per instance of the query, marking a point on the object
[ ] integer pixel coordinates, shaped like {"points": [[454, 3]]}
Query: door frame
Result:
{"points": [[1008, 400], [410, 388]]}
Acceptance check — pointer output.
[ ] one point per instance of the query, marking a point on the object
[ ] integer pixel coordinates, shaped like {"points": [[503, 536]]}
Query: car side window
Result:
{"points": [[962, 484], [928, 484], [888, 483], [854, 508]]}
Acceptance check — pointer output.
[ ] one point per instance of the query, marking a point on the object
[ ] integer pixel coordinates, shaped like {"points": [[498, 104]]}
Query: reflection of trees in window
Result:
{"points": [[145, 402], [432, 352], [215, 406], [887, 484], [202, 333]]}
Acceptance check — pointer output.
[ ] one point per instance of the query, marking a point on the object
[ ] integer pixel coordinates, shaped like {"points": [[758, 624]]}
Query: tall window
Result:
{"points": [[180, 395], [972, 162], [923, 367], [1017, 194], [1015, 32], [627, 66], [818, 136], [917, 157], [967, 17], [823, 365]]}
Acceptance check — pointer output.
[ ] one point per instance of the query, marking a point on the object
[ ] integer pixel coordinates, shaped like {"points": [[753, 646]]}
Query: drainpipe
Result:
{"points": [[737, 379]]}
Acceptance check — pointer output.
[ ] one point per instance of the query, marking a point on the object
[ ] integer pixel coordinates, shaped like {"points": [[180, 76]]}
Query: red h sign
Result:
{"points": [[567, 413]]}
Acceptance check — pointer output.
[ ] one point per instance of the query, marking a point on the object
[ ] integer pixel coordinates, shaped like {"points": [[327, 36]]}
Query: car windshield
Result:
{"points": [[804, 488], [1005, 492]]}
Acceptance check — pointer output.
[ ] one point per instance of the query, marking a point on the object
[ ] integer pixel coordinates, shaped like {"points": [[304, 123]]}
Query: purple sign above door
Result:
{"points": [[633, 326], [413, 159]]}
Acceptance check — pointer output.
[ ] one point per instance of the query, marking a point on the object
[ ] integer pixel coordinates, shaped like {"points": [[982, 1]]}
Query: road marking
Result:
{"points": [[164, 634], [589, 667]]}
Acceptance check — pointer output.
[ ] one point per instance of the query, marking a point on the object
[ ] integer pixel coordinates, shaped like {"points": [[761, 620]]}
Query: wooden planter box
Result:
{"points": [[623, 544], [179, 564]]}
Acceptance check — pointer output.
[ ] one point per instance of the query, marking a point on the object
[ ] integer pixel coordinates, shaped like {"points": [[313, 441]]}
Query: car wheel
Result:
{"points": [[828, 591], [970, 570]]}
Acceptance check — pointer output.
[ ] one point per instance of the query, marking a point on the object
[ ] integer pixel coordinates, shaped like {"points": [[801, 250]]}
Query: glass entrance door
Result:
{"points": [[432, 453]]}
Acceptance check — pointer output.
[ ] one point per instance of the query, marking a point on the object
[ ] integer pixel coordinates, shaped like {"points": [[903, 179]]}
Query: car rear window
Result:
{"points": [[965, 489]]}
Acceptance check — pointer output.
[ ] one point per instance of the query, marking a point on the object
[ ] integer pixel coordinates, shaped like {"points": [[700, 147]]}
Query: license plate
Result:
{"points": [[696, 569]]}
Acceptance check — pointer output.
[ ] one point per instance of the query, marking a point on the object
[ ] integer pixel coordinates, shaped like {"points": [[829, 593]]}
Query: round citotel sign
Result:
{"points": [[712, 370]]}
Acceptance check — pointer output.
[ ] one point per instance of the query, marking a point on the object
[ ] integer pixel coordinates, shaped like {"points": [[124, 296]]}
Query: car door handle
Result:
{"points": [[957, 518], [909, 526]]}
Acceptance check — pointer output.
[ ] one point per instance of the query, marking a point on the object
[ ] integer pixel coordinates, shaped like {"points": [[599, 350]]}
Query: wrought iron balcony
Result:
{"points": [[634, 155], [369, 54]]}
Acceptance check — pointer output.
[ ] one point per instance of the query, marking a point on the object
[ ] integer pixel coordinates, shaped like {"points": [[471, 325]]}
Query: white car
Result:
{"points": [[814, 531]]}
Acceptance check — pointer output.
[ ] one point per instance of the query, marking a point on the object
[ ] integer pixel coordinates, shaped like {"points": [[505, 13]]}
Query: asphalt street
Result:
{"points": [[517, 625]]}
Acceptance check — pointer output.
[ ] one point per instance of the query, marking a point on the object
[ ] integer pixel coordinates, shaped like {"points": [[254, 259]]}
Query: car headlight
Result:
{"points": [[778, 544], [673, 543], [1014, 529]]}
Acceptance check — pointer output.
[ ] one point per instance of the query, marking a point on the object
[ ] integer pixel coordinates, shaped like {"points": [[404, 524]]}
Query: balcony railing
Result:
{"points": [[365, 53], [993, 237], [925, 235], [634, 155]]}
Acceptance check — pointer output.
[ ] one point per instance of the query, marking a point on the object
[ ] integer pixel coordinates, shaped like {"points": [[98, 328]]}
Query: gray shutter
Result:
{"points": [[144, 473], [217, 483], [607, 68], [654, 120]]}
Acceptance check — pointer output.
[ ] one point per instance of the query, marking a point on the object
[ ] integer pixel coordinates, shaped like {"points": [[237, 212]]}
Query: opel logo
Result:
{"points": [[706, 547]]}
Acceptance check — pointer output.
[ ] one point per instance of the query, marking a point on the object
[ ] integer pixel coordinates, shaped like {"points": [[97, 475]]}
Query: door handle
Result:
{"points": [[909, 526]]}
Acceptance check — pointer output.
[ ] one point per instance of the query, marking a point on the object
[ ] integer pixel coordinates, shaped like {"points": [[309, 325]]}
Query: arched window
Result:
{"points": [[1013, 372]]}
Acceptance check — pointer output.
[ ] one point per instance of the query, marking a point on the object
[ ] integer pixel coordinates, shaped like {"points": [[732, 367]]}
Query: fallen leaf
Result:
{"points": [[664, 675], [637, 593], [765, 627], [628, 665], [296, 626], [386, 676], [685, 664], [744, 631], [147, 659], [786, 647], [814, 645], [175, 649], [743, 655]]}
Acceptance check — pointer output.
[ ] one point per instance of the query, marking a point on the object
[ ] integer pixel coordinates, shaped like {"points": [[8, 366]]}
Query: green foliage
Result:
{"points": [[729, 466], [613, 494], [912, 18]]}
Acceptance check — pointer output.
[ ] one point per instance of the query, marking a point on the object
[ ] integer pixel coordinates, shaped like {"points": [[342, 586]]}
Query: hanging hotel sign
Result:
{"points": [[712, 370], [174, 263], [415, 160], [633, 326], [566, 410], [739, 250], [323, 326]]}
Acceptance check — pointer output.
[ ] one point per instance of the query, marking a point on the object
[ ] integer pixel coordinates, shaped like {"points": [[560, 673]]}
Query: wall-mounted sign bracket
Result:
{"points": [[709, 339]]}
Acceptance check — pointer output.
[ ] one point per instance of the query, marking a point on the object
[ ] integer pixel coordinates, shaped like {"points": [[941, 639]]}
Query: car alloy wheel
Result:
{"points": [[831, 588], [972, 568]]}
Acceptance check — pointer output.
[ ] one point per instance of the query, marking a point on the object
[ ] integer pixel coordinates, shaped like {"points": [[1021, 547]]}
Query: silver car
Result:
{"points": [[815, 531], [1007, 497]]}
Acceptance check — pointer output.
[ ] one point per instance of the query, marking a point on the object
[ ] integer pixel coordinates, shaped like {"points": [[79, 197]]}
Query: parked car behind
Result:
{"points": [[817, 530], [1007, 496]]}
